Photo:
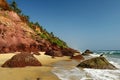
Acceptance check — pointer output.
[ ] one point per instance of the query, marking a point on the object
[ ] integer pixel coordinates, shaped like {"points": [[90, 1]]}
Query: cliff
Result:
{"points": [[17, 33]]}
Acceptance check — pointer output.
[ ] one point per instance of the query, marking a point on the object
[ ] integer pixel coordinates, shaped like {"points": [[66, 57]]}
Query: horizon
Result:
{"points": [[82, 24]]}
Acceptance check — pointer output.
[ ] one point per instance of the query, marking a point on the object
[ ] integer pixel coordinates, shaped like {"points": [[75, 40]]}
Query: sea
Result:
{"points": [[66, 70]]}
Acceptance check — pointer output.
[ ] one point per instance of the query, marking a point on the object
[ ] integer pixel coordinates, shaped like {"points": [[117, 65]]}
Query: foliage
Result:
{"points": [[14, 7], [46, 35], [59, 42], [43, 33]]}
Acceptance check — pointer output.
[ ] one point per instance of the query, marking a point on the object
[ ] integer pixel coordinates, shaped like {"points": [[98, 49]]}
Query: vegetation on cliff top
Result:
{"points": [[40, 31]]}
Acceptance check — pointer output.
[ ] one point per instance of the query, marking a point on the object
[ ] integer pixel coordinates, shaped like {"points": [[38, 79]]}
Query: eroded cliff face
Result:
{"points": [[18, 34], [4, 5], [15, 35]]}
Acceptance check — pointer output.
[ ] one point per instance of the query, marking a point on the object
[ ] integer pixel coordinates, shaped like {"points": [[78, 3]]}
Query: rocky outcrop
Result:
{"points": [[19, 35], [96, 63], [68, 51], [22, 60], [36, 53], [87, 52], [58, 52], [15, 35], [54, 53]]}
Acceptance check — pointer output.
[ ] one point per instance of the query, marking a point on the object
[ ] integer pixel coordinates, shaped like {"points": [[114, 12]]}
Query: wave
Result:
{"points": [[115, 64], [108, 51], [86, 74], [95, 55], [74, 73], [98, 74]]}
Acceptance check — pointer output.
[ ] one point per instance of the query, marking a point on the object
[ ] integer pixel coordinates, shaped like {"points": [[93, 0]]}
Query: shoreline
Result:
{"points": [[51, 69], [43, 72], [75, 73]]}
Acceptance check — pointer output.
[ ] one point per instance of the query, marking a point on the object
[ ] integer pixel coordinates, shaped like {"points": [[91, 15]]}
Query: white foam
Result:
{"points": [[69, 74], [94, 55], [98, 74], [111, 52], [114, 61], [65, 73], [86, 74], [115, 64]]}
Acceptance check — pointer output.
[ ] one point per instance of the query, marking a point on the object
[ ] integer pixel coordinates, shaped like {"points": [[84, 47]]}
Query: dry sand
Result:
{"points": [[30, 73]]}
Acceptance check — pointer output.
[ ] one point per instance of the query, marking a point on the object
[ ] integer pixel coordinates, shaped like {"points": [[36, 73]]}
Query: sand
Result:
{"points": [[30, 73]]}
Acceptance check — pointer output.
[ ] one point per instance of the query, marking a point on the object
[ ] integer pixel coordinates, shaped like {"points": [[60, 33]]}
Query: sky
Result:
{"points": [[82, 24]]}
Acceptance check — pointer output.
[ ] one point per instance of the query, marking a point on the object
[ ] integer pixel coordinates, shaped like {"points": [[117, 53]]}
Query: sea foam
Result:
{"points": [[99, 74], [86, 74], [65, 73], [70, 74]]}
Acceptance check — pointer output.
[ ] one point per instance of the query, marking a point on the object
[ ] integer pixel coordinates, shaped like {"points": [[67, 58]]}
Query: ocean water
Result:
{"points": [[70, 72]]}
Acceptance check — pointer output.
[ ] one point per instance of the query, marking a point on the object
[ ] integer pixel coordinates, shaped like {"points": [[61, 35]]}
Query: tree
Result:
{"points": [[52, 34], [14, 7], [37, 24]]}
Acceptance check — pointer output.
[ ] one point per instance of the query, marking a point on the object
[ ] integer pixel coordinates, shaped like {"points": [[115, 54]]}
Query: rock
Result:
{"points": [[58, 53], [5, 49], [22, 60], [36, 53], [97, 63], [49, 52], [54, 53], [14, 36], [87, 52], [78, 57], [68, 51]]}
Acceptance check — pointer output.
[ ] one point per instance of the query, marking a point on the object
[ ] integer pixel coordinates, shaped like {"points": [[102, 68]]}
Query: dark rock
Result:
{"points": [[49, 52], [5, 49], [87, 52], [54, 53], [68, 51], [58, 53], [38, 79], [22, 60], [96, 63], [36, 53]]}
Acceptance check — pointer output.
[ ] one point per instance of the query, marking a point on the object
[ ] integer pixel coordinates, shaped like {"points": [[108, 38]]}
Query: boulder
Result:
{"points": [[22, 60], [68, 51], [5, 49], [87, 52], [57, 53], [54, 53], [96, 63], [36, 53]]}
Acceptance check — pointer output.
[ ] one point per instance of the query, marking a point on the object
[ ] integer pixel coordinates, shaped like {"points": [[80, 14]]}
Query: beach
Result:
{"points": [[58, 68], [43, 72]]}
